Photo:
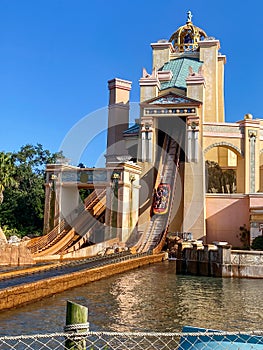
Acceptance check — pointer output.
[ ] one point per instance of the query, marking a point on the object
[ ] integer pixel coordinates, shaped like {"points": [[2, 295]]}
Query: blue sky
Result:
{"points": [[56, 57]]}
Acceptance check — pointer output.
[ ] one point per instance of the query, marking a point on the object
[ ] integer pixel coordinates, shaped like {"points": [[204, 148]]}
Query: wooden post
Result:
{"points": [[76, 322]]}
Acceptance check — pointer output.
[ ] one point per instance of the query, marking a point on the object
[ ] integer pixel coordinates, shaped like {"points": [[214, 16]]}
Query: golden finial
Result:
{"points": [[186, 37]]}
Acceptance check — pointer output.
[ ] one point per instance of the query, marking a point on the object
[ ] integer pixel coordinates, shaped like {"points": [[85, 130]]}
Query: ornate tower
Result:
{"points": [[183, 91]]}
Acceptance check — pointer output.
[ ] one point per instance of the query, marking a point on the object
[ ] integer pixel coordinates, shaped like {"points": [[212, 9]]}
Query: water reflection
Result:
{"points": [[151, 298]]}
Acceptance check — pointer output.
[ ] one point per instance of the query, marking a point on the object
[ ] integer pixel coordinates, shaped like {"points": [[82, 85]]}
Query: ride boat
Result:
{"points": [[161, 199]]}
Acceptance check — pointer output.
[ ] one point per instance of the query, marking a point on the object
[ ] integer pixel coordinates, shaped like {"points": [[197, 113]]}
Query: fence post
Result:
{"points": [[76, 322]]}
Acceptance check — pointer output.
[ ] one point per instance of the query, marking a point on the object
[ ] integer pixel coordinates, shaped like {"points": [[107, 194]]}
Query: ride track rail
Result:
{"points": [[156, 230], [19, 277]]}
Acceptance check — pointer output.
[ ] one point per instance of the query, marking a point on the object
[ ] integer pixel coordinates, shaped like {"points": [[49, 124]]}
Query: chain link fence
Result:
{"points": [[113, 340]]}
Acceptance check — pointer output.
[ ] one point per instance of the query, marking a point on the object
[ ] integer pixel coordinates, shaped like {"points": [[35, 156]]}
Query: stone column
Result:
{"points": [[129, 200], [122, 201], [147, 140], [192, 139]]}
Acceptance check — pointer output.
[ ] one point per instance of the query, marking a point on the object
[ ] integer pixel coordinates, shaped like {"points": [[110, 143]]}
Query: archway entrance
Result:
{"points": [[223, 170]]}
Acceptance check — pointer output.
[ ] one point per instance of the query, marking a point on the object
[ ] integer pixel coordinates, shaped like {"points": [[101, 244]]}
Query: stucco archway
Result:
{"points": [[228, 161], [228, 145]]}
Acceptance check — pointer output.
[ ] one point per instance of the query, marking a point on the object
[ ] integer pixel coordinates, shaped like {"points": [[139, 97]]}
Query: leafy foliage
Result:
{"points": [[257, 243], [7, 171], [244, 236], [23, 206], [218, 180]]}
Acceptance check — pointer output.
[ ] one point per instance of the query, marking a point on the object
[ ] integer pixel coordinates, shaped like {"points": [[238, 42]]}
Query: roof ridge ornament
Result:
{"points": [[189, 17], [186, 37]]}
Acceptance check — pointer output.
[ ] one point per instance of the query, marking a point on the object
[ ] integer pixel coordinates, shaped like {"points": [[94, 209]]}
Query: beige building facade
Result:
{"points": [[187, 83], [180, 137]]}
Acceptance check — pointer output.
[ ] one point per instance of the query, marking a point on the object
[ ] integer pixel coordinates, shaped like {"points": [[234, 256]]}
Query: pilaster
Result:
{"points": [[194, 182], [251, 149], [209, 55]]}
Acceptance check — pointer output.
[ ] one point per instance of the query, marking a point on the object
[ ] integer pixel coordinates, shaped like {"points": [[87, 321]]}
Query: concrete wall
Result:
{"points": [[81, 253], [245, 264], [224, 216], [15, 254], [219, 261]]}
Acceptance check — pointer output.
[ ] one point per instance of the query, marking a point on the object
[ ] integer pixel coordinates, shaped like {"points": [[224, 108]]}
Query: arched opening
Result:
{"points": [[222, 169]]}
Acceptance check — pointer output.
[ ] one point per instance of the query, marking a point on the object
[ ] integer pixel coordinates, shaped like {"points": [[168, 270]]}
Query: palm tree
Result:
{"points": [[7, 171]]}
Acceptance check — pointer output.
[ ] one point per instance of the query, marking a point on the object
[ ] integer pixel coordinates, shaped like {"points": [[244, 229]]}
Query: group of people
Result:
{"points": [[161, 197]]}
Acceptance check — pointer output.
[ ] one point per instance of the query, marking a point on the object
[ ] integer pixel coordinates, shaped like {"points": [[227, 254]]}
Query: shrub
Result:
{"points": [[257, 243]]}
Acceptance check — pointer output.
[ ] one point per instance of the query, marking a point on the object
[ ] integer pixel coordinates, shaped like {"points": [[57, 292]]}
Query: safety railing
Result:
{"points": [[135, 340]]}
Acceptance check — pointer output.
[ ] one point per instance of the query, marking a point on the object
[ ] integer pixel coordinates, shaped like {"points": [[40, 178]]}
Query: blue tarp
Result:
{"points": [[218, 341]]}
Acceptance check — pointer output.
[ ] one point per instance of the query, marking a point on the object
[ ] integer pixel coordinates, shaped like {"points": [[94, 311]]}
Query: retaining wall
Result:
{"points": [[219, 261], [15, 296], [15, 254]]}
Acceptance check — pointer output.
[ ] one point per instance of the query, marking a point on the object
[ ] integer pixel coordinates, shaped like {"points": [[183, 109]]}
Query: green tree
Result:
{"points": [[23, 208], [257, 243], [244, 236], [7, 172], [214, 177], [218, 180]]}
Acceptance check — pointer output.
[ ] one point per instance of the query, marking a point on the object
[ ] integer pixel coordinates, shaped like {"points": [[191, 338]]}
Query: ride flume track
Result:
{"points": [[27, 276], [158, 247], [41, 244], [157, 229], [146, 232]]}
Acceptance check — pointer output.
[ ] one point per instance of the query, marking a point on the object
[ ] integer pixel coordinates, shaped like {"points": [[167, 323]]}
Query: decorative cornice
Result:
{"points": [[221, 129], [164, 75], [209, 42], [161, 45], [253, 123], [117, 83]]}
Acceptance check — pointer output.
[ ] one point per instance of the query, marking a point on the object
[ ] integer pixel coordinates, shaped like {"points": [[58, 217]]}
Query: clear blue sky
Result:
{"points": [[56, 57]]}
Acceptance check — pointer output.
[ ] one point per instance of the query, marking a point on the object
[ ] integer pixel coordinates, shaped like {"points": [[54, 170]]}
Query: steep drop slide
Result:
{"points": [[157, 226], [69, 237]]}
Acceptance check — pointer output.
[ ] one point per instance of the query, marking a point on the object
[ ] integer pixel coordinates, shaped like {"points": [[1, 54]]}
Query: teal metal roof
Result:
{"points": [[180, 70], [133, 130]]}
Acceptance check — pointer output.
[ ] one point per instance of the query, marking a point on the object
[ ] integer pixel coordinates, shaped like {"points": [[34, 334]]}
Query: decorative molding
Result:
{"points": [[252, 134], [227, 129], [227, 145], [193, 123], [169, 111], [146, 125], [119, 84], [171, 99], [164, 75]]}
